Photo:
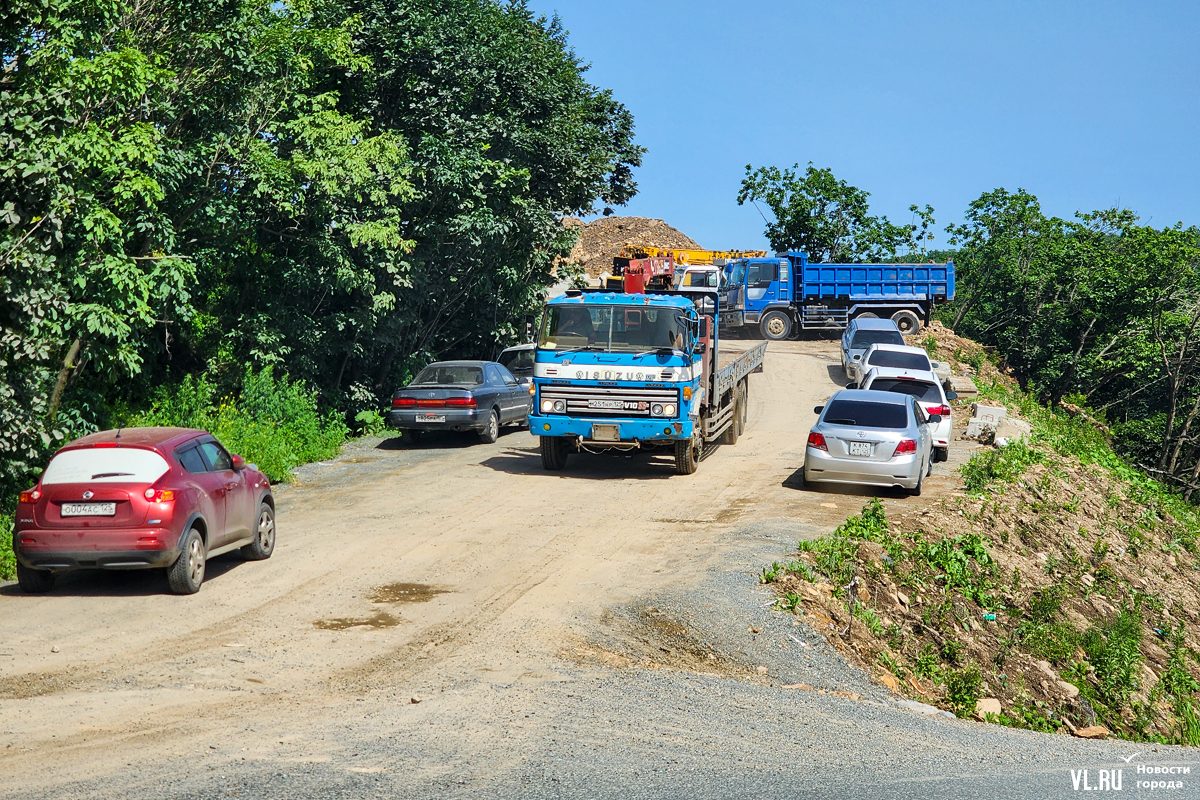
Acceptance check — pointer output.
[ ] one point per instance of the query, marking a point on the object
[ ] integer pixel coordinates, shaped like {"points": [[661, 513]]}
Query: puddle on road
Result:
{"points": [[391, 593], [380, 619], [406, 593]]}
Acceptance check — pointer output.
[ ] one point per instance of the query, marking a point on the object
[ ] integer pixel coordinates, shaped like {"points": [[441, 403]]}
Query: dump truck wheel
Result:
{"points": [[687, 456], [775, 325], [907, 322], [554, 452]]}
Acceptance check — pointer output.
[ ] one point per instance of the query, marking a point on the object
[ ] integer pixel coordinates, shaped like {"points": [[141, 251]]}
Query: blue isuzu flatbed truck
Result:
{"points": [[786, 293], [637, 372]]}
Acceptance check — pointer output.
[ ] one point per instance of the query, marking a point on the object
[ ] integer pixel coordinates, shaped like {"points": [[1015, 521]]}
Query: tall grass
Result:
{"points": [[273, 422]]}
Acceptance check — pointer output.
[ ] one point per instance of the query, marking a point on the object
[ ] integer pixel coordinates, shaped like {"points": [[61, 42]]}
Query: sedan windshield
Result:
{"points": [[449, 375], [890, 358], [864, 339], [924, 391], [612, 329], [860, 414]]}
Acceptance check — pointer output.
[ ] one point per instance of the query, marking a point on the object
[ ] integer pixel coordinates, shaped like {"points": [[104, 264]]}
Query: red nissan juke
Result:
{"points": [[142, 498]]}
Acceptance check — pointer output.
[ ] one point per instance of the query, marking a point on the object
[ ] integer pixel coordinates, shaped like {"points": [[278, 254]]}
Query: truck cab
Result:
{"points": [[635, 372]]}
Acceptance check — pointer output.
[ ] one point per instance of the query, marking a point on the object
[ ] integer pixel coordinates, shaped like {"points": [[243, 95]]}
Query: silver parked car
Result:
{"points": [[928, 390], [861, 333], [871, 439]]}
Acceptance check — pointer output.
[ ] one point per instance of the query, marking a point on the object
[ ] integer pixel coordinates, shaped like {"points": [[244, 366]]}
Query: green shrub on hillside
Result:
{"points": [[274, 422], [8, 562], [1000, 464]]}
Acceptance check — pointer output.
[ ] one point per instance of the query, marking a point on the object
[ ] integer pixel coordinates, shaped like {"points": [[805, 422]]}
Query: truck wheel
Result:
{"points": [[687, 456], [907, 322], [867, 315], [775, 325], [554, 452], [34, 581]]}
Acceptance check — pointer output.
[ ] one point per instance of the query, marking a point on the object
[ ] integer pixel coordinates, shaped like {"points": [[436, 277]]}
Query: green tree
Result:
{"points": [[829, 219]]}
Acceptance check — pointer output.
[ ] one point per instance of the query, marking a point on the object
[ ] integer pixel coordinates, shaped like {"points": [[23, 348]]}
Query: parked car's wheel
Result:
{"points": [[554, 452], [187, 573], [916, 492], [941, 454], [907, 322], [34, 581], [264, 535], [687, 456], [411, 435], [775, 325], [491, 430]]}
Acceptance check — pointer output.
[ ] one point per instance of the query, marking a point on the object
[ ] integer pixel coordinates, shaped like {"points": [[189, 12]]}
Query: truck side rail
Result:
{"points": [[746, 363]]}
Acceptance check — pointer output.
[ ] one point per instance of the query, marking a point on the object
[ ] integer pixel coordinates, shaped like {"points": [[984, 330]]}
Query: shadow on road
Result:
{"points": [[588, 466], [126, 582], [837, 375], [442, 440]]}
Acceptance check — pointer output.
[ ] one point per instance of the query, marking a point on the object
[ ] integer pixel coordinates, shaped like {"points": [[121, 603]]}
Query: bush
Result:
{"points": [[8, 562], [962, 689], [1114, 649], [274, 422], [999, 464]]}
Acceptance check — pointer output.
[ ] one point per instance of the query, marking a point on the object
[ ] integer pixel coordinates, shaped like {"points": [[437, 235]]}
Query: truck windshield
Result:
{"points": [[612, 328]]}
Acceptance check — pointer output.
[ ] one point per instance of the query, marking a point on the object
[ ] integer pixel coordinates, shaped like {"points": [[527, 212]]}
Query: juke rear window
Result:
{"points": [[106, 465], [861, 414]]}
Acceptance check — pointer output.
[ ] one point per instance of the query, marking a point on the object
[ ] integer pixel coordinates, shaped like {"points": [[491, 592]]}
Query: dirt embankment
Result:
{"points": [[1045, 593], [604, 238]]}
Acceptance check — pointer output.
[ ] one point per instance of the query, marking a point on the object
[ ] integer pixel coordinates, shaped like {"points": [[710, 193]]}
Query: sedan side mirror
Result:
{"points": [[818, 409], [951, 395], [239, 463], [935, 419], [851, 385]]}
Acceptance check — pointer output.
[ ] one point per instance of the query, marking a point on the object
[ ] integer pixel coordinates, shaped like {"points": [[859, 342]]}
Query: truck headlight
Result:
{"points": [[547, 406], [560, 406], [656, 409], [668, 410]]}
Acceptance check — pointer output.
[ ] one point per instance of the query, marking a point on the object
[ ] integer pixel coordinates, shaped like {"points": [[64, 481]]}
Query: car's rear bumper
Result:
{"points": [[904, 471], [456, 419], [64, 550], [629, 430]]}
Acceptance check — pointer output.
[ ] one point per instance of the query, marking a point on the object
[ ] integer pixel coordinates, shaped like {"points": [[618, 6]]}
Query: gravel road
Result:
{"points": [[452, 621]]}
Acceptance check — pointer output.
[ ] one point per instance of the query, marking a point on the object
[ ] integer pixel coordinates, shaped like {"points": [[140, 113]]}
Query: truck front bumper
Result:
{"points": [[642, 430]]}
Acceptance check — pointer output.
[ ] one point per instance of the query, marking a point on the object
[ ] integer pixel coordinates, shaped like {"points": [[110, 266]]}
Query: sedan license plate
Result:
{"points": [[89, 509], [611, 405], [431, 417], [860, 448]]}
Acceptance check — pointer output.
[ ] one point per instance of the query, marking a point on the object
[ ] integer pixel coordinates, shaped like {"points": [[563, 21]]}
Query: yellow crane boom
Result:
{"points": [[689, 257]]}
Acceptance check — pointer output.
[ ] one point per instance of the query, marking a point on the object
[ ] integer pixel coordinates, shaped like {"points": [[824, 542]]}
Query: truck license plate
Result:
{"points": [[431, 417], [606, 433], [860, 448], [611, 405], [89, 509]]}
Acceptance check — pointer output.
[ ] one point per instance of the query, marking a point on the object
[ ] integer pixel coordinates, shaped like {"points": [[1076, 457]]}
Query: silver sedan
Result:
{"points": [[871, 438]]}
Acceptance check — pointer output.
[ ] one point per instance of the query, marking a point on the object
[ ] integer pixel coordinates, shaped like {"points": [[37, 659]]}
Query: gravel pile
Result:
{"points": [[604, 238]]}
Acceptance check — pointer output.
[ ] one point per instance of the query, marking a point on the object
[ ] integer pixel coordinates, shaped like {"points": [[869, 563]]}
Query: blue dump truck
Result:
{"points": [[786, 293], [637, 372]]}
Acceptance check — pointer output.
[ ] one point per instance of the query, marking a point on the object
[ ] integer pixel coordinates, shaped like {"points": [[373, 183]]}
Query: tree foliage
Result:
{"points": [[829, 219], [339, 190]]}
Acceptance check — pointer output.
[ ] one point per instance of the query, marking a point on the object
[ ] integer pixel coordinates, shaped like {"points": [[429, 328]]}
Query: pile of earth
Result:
{"points": [[965, 356], [604, 238]]}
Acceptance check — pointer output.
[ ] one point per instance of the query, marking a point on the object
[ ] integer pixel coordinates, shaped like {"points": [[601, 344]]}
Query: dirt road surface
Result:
{"points": [[450, 620]]}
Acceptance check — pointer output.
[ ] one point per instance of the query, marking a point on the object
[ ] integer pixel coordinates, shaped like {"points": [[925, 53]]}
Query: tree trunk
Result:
{"points": [[63, 373]]}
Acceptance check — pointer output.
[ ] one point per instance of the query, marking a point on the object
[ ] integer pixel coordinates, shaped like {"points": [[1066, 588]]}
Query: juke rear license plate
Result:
{"points": [[431, 417], [860, 448], [89, 509]]}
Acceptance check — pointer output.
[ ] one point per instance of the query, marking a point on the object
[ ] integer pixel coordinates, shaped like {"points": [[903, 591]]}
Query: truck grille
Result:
{"points": [[597, 401]]}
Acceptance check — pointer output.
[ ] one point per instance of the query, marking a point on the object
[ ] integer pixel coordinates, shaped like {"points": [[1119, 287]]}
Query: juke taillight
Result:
{"points": [[31, 496], [159, 495]]}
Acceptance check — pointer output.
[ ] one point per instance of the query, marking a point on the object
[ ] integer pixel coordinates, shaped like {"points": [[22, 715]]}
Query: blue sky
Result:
{"points": [[1087, 105]]}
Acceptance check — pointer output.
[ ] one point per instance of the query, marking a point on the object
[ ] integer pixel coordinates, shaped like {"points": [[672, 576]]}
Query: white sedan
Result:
{"points": [[927, 389]]}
